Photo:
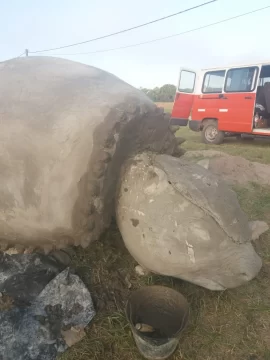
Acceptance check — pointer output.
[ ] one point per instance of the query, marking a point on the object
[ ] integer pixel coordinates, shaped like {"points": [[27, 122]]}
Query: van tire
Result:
{"points": [[210, 133]]}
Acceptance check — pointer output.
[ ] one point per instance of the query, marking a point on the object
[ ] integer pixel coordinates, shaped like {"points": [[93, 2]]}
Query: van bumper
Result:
{"points": [[179, 122], [195, 125]]}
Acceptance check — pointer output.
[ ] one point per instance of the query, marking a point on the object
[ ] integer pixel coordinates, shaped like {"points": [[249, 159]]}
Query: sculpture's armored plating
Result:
{"points": [[65, 130]]}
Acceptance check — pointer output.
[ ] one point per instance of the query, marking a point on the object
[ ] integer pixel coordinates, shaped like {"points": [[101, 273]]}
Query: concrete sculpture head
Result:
{"points": [[178, 219]]}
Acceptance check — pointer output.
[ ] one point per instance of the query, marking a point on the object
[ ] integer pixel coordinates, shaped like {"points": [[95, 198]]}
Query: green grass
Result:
{"points": [[166, 105], [225, 325], [257, 150], [229, 325], [256, 199]]}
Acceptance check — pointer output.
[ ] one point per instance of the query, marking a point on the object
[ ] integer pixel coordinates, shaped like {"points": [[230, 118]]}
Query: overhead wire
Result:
{"points": [[125, 30], [16, 57], [166, 37]]}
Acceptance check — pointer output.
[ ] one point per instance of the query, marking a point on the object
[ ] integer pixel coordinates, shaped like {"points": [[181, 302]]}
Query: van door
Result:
{"points": [[237, 111], [184, 97]]}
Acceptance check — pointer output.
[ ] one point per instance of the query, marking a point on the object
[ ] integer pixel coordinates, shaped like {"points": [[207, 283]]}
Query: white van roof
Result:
{"points": [[236, 66]]}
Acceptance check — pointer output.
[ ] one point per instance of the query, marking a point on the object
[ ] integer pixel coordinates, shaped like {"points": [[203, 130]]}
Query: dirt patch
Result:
{"points": [[108, 271], [233, 169]]}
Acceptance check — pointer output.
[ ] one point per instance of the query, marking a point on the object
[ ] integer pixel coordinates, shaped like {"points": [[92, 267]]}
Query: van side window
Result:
{"points": [[213, 81], [240, 80], [187, 81], [264, 80], [264, 75]]}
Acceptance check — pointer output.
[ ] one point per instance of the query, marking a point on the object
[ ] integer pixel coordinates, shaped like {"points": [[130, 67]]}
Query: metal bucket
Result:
{"points": [[157, 316]]}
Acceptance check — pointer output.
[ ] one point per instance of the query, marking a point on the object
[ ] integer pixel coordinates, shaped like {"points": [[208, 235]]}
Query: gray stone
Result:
{"points": [[23, 276], [38, 331], [204, 163], [179, 219]]}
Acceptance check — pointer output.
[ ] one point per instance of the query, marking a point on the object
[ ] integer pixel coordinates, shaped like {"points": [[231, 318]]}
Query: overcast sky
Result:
{"points": [[37, 25]]}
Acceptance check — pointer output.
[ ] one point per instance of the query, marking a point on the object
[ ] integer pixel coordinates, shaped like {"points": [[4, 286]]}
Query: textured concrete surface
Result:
{"points": [[65, 130], [178, 219]]}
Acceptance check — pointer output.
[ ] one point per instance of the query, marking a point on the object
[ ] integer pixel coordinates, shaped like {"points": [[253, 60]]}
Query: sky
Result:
{"points": [[37, 25]]}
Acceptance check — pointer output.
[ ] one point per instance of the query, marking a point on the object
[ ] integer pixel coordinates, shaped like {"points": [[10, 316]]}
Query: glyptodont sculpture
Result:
{"points": [[65, 130], [178, 219]]}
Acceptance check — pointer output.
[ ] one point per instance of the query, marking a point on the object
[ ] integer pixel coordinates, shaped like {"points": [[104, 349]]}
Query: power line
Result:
{"points": [[166, 37], [16, 57], [125, 30], [21, 55]]}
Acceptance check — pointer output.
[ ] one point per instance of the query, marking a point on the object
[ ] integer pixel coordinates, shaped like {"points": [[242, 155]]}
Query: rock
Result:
{"points": [[12, 251], [179, 219], [74, 335], [67, 290], [258, 228], [54, 320], [204, 163], [24, 276], [127, 281], [61, 256], [141, 271], [174, 128], [65, 130], [180, 140]]}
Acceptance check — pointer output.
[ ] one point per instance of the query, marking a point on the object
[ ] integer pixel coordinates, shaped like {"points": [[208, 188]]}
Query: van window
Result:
{"points": [[187, 81], [240, 80], [264, 80], [213, 81], [264, 75]]}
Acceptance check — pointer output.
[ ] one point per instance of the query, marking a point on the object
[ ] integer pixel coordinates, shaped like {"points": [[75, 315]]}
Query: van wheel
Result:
{"points": [[211, 134]]}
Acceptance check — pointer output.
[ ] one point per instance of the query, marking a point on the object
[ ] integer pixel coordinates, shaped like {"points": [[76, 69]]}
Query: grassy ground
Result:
{"points": [[166, 105], [229, 325], [257, 150]]}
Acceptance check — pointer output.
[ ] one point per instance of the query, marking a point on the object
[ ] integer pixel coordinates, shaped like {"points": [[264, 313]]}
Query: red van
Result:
{"points": [[227, 101]]}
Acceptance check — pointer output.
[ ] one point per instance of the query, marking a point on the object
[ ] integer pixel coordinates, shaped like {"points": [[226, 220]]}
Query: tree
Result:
{"points": [[165, 93]]}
